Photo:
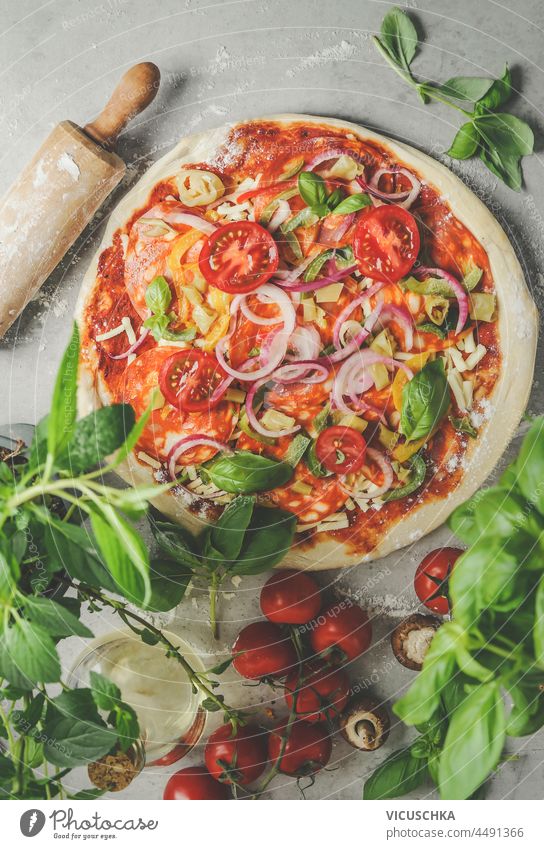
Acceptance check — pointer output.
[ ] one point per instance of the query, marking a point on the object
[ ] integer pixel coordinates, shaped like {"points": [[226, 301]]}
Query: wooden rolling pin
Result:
{"points": [[57, 194]]}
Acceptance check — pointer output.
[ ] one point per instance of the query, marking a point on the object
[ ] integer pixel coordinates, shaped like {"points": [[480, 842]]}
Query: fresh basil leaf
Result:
{"points": [[497, 95], [54, 618], [399, 37], [62, 416], [538, 627], [527, 714], [9, 572], [267, 541], [169, 581], [335, 198], [104, 692], [474, 742], [507, 167], [185, 335], [353, 203], [530, 465], [422, 700], [158, 295], [124, 551], [464, 425], [28, 655], [465, 580], [507, 133], [130, 442], [75, 732], [245, 473], [157, 324], [398, 775], [466, 88], [175, 541], [312, 188], [72, 548], [227, 534], [425, 400], [96, 436], [465, 143]]}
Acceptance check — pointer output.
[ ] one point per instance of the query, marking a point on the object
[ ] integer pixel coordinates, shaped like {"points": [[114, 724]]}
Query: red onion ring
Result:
{"points": [[189, 220], [280, 215], [133, 348], [295, 372], [254, 421], [330, 277], [402, 317], [458, 289], [347, 380], [332, 153], [186, 443], [347, 311], [305, 341], [385, 468], [404, 198], [287, 276]]}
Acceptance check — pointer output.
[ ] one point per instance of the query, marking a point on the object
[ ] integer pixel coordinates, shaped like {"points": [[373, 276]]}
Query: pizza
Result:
{"points": [[316, 315]]}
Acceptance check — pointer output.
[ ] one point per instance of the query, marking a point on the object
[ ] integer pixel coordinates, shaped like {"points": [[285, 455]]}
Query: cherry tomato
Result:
{"points": [[340, 449], [386, 243], [194, 782], [188, 380], [308, 748], [239, 757], [321, 691], [432, 576], [342, 631], [290, 597], [262, 651], [239, 257]]}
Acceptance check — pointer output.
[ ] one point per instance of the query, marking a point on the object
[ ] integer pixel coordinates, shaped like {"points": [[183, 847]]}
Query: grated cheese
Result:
{"points": [[129, 330], [110, 334], [468, 390], [149, 461], [456, 385], [470, 344], [457, 359], [164, 343], [340, 525], [473, 360]]}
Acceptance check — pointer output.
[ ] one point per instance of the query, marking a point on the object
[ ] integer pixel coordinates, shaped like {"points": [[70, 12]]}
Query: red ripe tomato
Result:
{"points": [[194, 782], [321, 691], [236, 757], [342, 631], [308, 748], [262, 651], [239, 257], [290, 597], [340, 449], [432, 576], [386, 242], [188, 380]]}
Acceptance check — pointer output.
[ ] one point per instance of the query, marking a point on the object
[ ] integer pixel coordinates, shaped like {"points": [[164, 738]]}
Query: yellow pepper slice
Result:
{"points": [[415, 363]]}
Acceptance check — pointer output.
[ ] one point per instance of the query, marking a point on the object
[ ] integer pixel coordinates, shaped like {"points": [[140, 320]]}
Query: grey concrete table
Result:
{"points": [[234, 59]]}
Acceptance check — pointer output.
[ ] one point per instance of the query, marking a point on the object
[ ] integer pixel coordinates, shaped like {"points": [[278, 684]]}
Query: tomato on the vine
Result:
{"points": [[432, 577], [236, 757], [317, 692], [238, 257], [342, 631], [194, 782], [290, 597], [188, 380], [340, 449], [386, 242], [307, 750], [261, 650]]}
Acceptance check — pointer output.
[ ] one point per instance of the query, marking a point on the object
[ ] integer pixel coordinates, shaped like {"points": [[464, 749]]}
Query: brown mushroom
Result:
{"points": [[365, 724], [411, 639]]}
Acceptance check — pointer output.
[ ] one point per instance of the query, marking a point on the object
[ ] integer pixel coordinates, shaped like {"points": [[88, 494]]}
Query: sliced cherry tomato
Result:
{"points": [[236, 758], [321, 691], [262, 651], [239, 257], [432, 576], [194, 782], [188, 380], [340, 449], [386, 243], [307, 750], [343, 631], [291, 598]]}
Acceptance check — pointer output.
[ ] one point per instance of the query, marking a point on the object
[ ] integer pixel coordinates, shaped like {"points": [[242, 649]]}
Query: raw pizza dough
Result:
{"points": [[518, 327]]}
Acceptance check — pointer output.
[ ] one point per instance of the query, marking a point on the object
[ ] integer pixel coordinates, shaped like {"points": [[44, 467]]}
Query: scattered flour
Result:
{"points": [[335, 53], [66, 163]]}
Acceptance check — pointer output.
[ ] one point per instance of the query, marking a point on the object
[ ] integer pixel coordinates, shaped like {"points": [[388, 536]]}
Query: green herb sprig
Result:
{"points": [[158, 298], [499, 139], [320, 203], [493, 647]]}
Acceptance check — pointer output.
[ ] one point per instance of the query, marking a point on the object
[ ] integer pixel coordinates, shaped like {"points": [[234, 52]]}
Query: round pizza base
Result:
{"points": [[518, 330]]}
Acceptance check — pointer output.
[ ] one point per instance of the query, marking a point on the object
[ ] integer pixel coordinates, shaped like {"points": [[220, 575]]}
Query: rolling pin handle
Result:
{"points": [[136, 89]]}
